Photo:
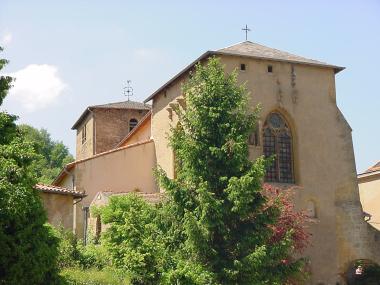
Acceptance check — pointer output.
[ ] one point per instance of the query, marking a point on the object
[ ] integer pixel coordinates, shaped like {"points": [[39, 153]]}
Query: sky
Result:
{"points": [[67, 55]]}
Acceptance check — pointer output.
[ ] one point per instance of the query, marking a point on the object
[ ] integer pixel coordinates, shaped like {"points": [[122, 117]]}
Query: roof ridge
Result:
{"points": [[279, 51], [233, 45], [148, 105]]}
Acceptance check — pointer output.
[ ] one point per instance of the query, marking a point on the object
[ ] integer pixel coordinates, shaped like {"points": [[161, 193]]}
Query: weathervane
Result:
{"points": [[128, 90], [246, 29]]}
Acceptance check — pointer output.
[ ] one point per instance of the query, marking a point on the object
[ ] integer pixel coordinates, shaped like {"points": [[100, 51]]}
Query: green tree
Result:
{"points": [[224, 223], [28, 247], [51, 155], [218, 223]]}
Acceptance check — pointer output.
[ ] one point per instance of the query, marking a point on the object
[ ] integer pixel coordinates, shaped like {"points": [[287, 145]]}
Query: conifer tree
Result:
{"points": [[220, 221]]}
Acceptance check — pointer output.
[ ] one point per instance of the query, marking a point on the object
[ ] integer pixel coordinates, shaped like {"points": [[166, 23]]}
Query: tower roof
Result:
{"points": [[251, 50], [123, 105], [131, 105]]}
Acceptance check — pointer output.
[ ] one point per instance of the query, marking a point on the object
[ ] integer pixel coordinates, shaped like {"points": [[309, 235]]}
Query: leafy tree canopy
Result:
{"points": [[51, 155]]}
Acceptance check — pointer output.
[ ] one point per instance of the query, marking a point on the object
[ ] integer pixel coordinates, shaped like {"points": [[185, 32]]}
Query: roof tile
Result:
{"points": [[58, 190], [124, 105], [248, 48]]}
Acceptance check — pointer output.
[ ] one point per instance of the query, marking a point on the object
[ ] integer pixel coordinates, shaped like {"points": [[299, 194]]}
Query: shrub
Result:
{"points": [[72, 252], [93, 256], [132, 239]]}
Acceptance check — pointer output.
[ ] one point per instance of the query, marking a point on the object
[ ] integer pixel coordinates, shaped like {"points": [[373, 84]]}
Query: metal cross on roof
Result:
{"points": [[246, 29], [128, 90]]}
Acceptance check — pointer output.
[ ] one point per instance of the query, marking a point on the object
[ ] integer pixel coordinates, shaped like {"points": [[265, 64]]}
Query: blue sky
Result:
{"points": [[71, 54]]}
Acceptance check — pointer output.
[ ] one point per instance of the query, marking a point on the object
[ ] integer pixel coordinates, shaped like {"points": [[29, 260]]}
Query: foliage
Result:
{"points": [[72, 252], [68, 248], [132, 238], [225, 223], [93, 256], [93, 276], [51, 155], [217, 225], [289, 221], [28, 247]]}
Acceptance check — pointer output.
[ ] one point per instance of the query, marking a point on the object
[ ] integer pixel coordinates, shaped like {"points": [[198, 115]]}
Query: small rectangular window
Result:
{"points": [[84, 133], [270, 68], [253, 138], [242, 67]]}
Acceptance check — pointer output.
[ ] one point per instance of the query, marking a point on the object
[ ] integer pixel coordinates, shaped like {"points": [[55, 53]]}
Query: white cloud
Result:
{"points": [[6, 39], [36, 86]]}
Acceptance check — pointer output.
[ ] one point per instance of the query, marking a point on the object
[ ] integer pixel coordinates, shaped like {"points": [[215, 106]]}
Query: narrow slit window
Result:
{"points": [[243, 67], [270, 68], [84, 134]]}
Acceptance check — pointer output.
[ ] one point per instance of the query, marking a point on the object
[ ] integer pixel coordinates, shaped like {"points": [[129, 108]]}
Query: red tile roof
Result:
{"points": [[376, 167], [58, 190], [373, 168]]}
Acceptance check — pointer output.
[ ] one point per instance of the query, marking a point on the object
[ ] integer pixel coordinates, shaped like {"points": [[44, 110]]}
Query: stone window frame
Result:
{"points": [[279, 141]]}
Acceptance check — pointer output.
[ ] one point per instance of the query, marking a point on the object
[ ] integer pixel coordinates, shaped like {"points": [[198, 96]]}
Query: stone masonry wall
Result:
{"points": [[112, 125]]}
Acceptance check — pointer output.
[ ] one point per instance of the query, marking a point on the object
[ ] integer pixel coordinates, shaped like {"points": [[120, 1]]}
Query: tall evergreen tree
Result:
{"points": [[27, 247], [221, 222]]}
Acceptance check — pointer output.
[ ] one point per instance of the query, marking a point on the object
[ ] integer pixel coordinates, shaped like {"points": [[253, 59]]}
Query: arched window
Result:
{"points": [[277, 140], [132, 124]]}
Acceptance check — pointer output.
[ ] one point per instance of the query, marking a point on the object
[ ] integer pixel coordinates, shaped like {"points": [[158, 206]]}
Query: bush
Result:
{"points": [[72, 252], [132, 239], [93, 256]]}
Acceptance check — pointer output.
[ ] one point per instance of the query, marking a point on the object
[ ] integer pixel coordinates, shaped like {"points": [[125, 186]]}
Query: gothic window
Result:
{"points": [[132, 124], [277, 141]]}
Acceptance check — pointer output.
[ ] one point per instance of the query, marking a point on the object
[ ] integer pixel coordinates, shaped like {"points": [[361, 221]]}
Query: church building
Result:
{"points": [[119, 145]]}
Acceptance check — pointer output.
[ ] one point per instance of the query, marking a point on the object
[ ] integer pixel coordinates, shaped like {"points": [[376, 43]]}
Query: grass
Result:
{"points": [[92, 276]]}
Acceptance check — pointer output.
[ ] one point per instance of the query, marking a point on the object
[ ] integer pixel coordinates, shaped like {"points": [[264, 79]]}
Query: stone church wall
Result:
{"points": [[324, 163]]}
